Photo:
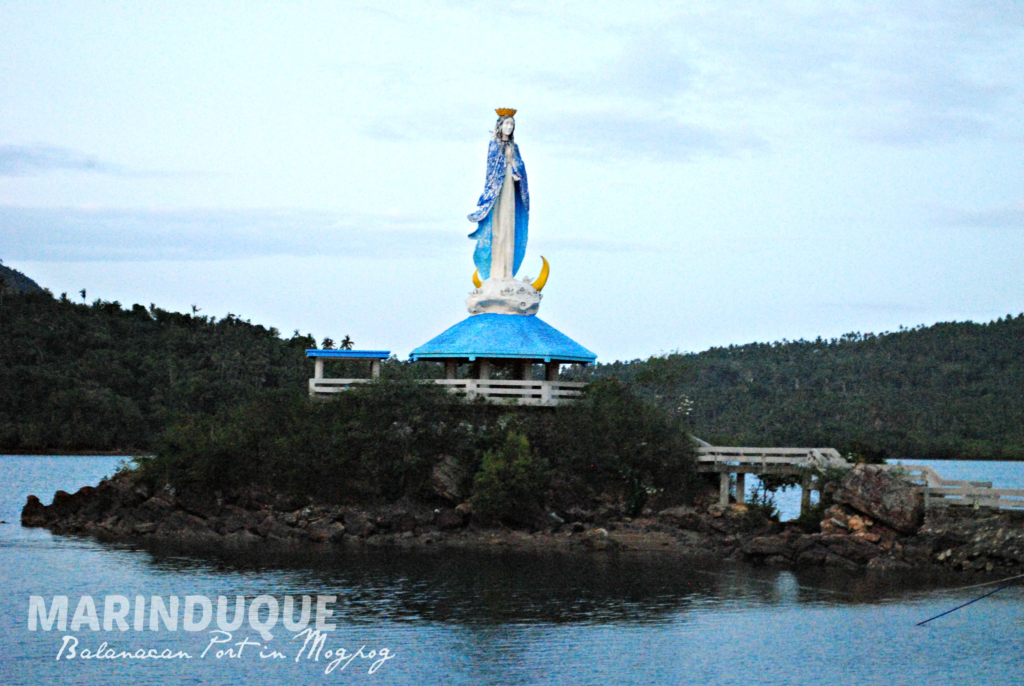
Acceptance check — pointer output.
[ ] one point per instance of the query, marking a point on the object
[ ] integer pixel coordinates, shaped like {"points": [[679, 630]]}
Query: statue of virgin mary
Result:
{"points": [[503, 211]]}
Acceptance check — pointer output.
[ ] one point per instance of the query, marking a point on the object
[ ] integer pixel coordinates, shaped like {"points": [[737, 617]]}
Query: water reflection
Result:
{"points": [[471, 587], [501, 617]]}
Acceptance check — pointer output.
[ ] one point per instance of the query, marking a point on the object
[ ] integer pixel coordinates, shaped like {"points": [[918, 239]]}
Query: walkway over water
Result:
{"points": [[807, 463]]}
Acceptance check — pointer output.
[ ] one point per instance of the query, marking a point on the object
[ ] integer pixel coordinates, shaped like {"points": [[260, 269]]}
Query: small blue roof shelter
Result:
{"points": [[495, 337], [374, 356], [350, 354]]}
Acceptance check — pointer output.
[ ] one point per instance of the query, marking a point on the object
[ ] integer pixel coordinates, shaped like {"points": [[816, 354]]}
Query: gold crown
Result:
{"points": [[505, 111]]}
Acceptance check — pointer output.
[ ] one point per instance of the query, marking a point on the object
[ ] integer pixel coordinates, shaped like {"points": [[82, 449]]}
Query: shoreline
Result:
{"points": [[253, 522]]}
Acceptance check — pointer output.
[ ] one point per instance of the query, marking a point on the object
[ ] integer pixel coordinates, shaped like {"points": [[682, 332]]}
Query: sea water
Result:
{"points": [[457, 617]]}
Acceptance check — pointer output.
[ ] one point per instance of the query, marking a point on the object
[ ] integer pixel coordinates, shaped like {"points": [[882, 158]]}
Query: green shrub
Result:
{"points": [[511, 482], [761, 504], [617, 443], [381, 442]]}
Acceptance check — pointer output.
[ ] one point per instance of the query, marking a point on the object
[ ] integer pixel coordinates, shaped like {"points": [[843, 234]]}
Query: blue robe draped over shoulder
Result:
{"points": [[484, 217]]}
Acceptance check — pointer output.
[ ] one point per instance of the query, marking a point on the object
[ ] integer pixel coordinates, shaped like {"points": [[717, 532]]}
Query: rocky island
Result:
{"points": [[876, 521]]}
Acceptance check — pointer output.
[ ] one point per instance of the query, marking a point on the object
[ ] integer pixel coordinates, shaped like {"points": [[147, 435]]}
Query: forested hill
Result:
{"points": [[102, 377], [99, 377], [13, 281], [952, 390]]}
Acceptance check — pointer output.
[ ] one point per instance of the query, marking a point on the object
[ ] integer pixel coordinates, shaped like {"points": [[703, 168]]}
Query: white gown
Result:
{"points": [[503, 228]]}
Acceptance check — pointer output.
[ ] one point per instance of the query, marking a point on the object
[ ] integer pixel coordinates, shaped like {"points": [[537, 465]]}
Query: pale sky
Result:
{"points": [[700, 173]]}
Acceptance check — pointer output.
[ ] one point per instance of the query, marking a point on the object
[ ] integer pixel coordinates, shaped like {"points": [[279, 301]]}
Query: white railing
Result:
{"points": [[940, 492], [515, 391], [973, 496], [923, 475], [795, 457], [937, 491], [320, 386], [521, 392]]}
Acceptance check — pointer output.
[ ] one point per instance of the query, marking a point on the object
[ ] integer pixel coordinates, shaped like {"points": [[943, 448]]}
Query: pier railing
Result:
{"points": [[940, 492], [936, 491], [742, 461], [515, 391]]}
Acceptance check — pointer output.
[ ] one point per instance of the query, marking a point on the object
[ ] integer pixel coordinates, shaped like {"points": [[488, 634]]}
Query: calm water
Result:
{"points": [[507, 619]]}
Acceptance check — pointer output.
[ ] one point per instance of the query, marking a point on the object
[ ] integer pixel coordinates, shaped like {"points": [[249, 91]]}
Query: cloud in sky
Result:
{"points": [[195, 235], [1009, 217], [115, 235], [733, 149], [670, 83], [894, 75], [41, 158], [23, 160]]}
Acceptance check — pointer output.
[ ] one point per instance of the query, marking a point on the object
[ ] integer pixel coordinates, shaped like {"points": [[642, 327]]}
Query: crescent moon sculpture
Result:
{"points": [[476, 279], [543, 278]]}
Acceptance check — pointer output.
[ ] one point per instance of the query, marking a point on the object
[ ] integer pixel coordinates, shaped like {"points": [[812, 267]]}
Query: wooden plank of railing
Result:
{"points": [[971, 490], [756, 451], [933, 477], [762, 459], [523, 392], [968, 496], [999, 503]]}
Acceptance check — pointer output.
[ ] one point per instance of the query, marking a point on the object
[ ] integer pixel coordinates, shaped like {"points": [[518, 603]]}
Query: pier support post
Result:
{"points": [[741, 487], [723, 489], [318, 368], [450, 369], [375, 369], [805, 495]]}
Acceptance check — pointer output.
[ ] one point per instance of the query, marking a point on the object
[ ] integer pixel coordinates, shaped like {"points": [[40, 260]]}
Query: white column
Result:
{"points": [[551, 371], [450, 369], [723, 489], [375, 369], [805, 495], [318, 367]]}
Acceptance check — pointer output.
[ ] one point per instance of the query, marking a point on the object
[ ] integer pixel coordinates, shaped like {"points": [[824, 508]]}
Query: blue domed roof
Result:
{"points": [[510, 336]]}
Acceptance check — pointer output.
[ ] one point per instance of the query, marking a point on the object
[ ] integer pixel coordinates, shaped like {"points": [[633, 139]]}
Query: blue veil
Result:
{"points": [[483, 216]]}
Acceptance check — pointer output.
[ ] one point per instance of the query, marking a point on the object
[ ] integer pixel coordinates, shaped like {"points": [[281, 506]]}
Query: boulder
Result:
{"points": [[811, 556], [358, 524], [833, 560], [851, 548], [766, 546], [396, 521], [242, 538], [887, 563], [882, 496], [34, 512], [449, 479], [446, 520], [683, 517], [598, 539], [326, 530]]}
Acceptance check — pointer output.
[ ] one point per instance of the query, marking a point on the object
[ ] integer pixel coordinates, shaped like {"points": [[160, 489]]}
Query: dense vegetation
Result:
{"points": [[951, 390], [382, 443], [77, 377], [102, 377]]}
